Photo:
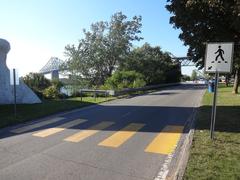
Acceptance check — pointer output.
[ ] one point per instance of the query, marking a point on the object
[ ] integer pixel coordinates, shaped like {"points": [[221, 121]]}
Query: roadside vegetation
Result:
{"points": [[219, 158], [106, 52], [53, 101], [124, 79], [104, 59]]}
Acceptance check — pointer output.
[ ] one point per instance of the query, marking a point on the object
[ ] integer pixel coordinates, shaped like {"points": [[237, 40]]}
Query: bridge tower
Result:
{"points": [[52, 67]]}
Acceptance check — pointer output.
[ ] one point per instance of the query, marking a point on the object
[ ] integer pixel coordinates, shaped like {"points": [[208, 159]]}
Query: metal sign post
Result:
{"points": [[218, 59], [14, 92], [214, 106], [14, 81]]}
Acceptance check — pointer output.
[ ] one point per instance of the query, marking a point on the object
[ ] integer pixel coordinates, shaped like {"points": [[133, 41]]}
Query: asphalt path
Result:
{"points": [[125, 139]]}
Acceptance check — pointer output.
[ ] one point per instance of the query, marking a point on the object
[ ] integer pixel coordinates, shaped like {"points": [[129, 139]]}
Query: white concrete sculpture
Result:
{"points": [[24, 94]]}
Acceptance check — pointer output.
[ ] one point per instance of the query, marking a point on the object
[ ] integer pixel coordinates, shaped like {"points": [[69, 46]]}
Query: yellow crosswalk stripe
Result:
{"points": [[36, 125], [48, 132], [118, 138], [89, 132], [166, 141], [60, 128]]}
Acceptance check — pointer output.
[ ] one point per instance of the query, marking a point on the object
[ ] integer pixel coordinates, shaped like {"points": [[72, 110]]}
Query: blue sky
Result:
{"points": [[40, 29]]}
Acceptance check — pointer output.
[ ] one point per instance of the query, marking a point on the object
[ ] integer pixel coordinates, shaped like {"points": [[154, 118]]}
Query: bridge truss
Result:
{"points": [[52, 67], [184, 61]]}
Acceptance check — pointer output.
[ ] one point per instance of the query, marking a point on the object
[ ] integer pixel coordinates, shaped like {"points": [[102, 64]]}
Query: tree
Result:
{"points": [[36, 81], [156, 66], [103, 48], [194, 75], [207, 21], [125, 79], [185, 78]]}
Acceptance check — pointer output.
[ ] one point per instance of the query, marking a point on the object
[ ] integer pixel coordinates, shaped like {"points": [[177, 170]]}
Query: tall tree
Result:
{"points": [[103, 48], [194, 75], [156, 65], [207, 21]]}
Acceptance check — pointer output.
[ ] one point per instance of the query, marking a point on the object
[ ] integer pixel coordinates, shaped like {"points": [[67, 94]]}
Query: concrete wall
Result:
{"points": [[24, 94]]}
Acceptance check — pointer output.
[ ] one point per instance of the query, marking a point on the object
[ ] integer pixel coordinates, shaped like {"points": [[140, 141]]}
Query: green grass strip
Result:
{"points": [[218, 159]]}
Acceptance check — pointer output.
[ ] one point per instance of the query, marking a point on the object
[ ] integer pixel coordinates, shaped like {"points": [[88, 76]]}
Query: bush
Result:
{"points": [[36, 81], [44, 87], [138, 83], [124, 79], [58, 84], [51, 92], [185, 78]]}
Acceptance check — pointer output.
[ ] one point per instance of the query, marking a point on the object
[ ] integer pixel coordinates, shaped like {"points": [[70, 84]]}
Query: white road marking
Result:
{"points": [[164, 170]]}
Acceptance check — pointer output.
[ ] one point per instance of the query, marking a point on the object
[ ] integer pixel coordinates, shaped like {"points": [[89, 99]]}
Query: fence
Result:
{"points": [[124, 91]]}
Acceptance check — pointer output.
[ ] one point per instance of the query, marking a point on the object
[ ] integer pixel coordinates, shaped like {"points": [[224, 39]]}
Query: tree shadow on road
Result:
{"points": [[154, 118]]}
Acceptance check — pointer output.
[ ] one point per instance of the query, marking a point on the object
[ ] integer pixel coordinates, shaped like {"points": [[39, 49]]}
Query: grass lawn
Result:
{"points": [[48, 107], [218, 159]]}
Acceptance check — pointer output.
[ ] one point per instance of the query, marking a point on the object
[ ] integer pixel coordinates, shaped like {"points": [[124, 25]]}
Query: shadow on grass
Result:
{"points": [[218, 158], [227, 118], [27, 112]]}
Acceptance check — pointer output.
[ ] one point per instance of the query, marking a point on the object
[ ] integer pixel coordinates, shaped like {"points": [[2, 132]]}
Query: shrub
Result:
{"points": [[51, 92], [185, 78], [58, 84], [125, 79], [139, 83], [36, 81]]}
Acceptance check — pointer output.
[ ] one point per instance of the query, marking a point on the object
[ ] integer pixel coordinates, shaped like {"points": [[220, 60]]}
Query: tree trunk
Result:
{"points": [[236, 81], [227, 80]]}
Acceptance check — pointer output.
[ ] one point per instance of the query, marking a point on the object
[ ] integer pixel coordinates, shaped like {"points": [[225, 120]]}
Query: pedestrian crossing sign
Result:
{"points": [[218, 57]]}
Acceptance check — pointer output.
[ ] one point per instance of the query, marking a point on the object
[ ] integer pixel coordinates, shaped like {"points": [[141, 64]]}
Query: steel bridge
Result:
{"points": [[54, 64], [52, 67], [184, 61]]}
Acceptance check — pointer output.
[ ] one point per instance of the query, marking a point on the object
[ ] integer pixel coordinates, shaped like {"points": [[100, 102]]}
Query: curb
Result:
{"points": [[175, 164], [180, 159]]}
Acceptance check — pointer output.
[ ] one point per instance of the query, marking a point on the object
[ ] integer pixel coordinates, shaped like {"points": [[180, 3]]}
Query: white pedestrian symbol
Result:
{"points": [[218, 57], [219, 53]]}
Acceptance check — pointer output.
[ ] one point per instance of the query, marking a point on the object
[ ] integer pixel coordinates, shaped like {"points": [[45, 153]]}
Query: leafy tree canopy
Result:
{"points": [[125, 79], [103, 48], [194, 75], [207, 21], [156, 66]]}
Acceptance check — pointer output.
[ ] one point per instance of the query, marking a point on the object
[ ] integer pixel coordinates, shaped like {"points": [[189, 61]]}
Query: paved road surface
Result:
{"points": [[126, 139]]}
